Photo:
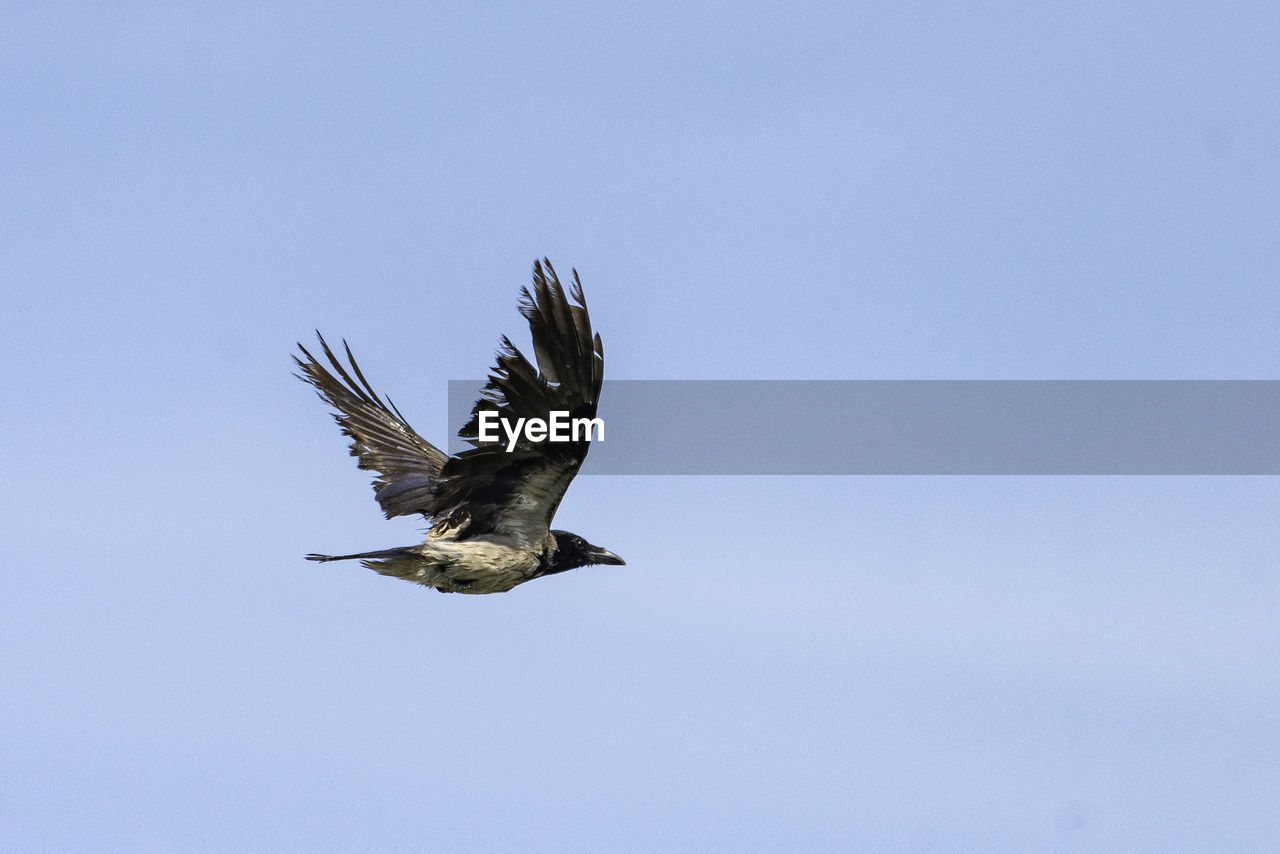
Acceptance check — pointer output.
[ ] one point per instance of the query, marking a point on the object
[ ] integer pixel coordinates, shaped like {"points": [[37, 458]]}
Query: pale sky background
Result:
{"points": [[750, 191]]}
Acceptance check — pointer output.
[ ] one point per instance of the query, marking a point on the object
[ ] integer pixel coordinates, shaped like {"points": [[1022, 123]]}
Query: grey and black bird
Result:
{"points": [[489, 508]]}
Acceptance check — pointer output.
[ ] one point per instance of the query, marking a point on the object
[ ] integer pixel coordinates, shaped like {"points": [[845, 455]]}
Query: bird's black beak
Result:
{"points": [[599, 555]]}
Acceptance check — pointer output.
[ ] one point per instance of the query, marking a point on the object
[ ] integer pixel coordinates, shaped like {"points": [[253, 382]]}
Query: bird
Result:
{"points": [[489, 507]]}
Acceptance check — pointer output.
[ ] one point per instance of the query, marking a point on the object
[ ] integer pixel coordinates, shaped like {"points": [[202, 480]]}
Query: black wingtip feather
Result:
{"points": [[380, 435]]}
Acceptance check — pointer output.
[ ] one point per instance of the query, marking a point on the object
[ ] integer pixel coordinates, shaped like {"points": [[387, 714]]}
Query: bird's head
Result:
{"points": [[572, 552]]}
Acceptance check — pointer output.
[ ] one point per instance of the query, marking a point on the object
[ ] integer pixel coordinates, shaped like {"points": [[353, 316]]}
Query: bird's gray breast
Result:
{"points": [[480, 565]]}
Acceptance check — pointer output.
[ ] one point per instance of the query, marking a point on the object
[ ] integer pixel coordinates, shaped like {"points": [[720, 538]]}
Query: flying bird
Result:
{"points": [[489, 507]]}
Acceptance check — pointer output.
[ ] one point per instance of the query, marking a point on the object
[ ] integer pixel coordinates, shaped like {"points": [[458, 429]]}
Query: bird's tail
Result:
{"points": [[406, 552]]}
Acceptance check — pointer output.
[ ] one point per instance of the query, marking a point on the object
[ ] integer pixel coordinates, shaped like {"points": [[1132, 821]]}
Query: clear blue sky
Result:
{"points": [[838, 191]]}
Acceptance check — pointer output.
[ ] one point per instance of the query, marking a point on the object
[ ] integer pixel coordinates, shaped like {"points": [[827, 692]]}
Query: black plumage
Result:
{"points": [[490, 508]]}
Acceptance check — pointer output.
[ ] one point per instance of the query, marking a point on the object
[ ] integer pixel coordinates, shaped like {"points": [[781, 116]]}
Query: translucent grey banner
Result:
{"points": [[1134, 427]]}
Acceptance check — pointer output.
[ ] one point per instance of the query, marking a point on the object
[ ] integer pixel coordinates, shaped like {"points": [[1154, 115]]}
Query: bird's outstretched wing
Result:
{"points": [[490, 490], [406, 465]]}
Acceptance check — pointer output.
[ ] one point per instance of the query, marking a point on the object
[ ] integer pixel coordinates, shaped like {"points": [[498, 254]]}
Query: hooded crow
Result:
{"points": [[489, 507]]}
